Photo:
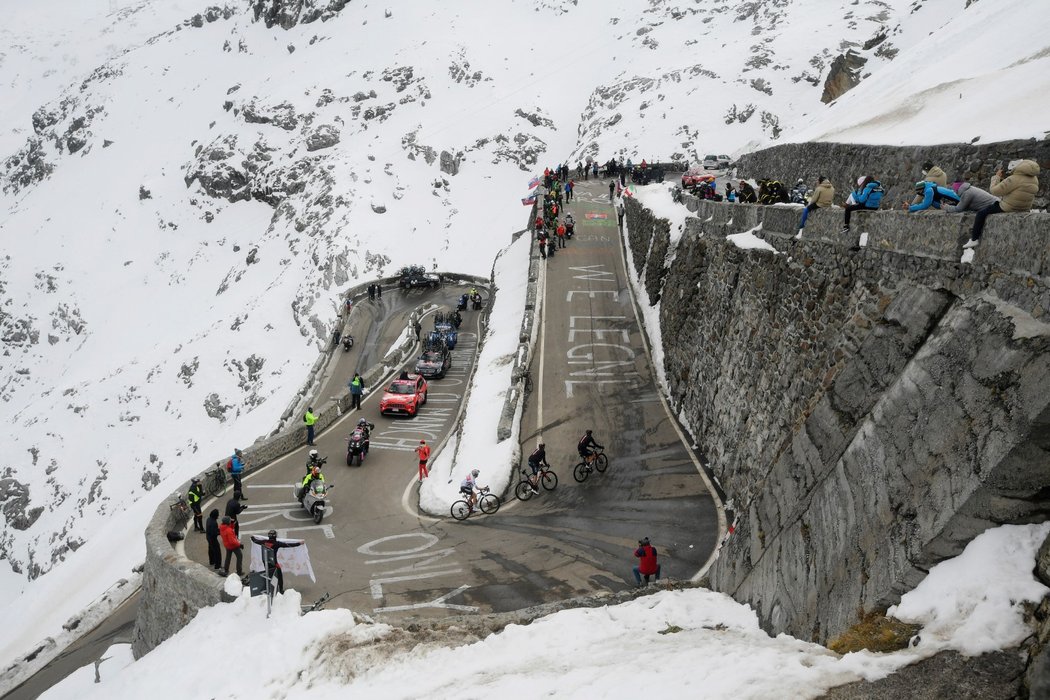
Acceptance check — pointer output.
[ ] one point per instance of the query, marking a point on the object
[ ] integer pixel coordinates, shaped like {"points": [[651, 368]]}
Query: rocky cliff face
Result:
{"points": [[843, 76], [867, 413]]}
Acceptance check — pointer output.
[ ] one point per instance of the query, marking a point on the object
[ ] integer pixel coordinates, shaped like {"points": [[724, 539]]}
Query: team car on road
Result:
{"points": [[404, 396], [434, 361], [417, 276]]}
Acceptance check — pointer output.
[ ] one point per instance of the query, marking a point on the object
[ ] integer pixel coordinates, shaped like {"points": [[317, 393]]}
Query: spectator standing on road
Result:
{"points": [[233, 547], [821, 197], [647, 564], [270, 545], [612, 189], [551, 245], [211, 533], [1017, 191], [193, 497], [541, 238], [234, 508], [309, 419], [372, 292], [379, 290], [416, 327], [570, 186], [357, 387], [561, 235], [424, 454], [236, 468]]}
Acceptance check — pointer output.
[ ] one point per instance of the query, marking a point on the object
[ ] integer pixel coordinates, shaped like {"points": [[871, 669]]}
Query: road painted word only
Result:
{"points": [[413, 559]]}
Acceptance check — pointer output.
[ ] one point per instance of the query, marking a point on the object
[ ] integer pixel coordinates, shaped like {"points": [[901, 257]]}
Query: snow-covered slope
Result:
{"points": [[186, 190]]}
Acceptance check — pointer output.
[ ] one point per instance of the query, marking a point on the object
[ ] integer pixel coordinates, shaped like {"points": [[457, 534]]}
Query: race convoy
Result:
{"points": [[417, 276], [434, 361], [404, 395]]}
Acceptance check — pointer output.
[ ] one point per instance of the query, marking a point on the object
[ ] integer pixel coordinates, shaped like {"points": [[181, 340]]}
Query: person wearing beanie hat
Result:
{"points": [[211, 533], [647, 564], [233, 547], [971, 198], [424, 454]]}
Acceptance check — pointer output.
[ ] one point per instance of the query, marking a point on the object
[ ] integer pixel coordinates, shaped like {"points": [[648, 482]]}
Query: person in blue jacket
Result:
{"points": [[868, 195], [933, 195]]}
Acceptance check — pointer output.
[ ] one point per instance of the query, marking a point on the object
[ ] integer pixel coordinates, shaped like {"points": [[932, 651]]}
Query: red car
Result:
{"points": [[694, 177], [404, 396]]}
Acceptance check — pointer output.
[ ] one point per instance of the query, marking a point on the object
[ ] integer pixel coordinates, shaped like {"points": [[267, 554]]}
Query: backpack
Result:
{"points": [[229, 465]]}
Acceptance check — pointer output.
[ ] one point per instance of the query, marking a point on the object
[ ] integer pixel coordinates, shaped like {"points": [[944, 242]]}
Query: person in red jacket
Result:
{"points": [[561, 235], [232, 544], [424, 454], [647, 565]]}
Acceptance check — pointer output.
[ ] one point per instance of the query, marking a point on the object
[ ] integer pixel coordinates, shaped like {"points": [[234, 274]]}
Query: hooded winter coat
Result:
{"points": [[936, 175], [1018, 191], [229, 537], [211, 525], [823, 194], [933, 195], [971, 199]]}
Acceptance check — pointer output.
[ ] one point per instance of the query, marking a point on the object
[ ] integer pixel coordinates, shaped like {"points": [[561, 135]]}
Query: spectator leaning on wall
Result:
{"points": [[970, 198], [1017, 191]]}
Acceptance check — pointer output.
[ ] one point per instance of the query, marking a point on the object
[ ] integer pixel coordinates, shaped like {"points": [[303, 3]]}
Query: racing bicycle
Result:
{"points": [[487, 504], [547, 478], [598, 461], [215, 481]]}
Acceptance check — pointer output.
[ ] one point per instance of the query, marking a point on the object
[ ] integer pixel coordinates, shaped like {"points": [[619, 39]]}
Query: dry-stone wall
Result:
{"points": [[897, 167], [867, 409]]}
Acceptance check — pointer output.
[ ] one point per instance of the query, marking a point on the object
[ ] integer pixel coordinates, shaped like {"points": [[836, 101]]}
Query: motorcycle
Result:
{"points": [[356, 447], [348, 342], [462, 303], [314, 499]]}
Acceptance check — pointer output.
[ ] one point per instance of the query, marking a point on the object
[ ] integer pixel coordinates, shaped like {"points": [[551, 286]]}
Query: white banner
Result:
{"points": [[293, 560]]}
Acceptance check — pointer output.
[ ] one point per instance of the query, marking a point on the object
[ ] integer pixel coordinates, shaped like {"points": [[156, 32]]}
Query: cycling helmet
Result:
{"points": [[475, 472], [272, 534], [543, 445], [313, 453], [920, 187], [589, 432]]}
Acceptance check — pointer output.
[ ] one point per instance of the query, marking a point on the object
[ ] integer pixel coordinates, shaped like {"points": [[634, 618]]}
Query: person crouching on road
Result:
{"points": [[647, 564], [270, 545]]}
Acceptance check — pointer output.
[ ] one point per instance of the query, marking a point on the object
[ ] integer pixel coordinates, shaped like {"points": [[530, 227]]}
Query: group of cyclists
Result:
{"points": [[587, 448]]}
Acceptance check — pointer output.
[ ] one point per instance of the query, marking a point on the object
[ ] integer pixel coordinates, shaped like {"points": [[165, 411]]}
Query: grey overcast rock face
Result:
{"points": [[14, 496], [323, 136], [843, 76]]}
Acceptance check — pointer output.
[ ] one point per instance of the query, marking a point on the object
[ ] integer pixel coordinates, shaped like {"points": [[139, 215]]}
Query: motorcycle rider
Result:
{"points": [[587, 447], [570, 225], [366, 429], [537, 459], [315, 460], [270, 545], [315, 474]]}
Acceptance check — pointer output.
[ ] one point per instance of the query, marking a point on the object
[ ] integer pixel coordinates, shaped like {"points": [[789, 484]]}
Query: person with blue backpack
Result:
{"points": [[930, 194], [868, 195]]}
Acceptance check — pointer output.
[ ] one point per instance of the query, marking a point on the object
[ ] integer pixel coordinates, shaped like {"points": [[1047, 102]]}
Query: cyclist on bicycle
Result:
{"points": [[537, 459], [469, 488], [587, 447]]}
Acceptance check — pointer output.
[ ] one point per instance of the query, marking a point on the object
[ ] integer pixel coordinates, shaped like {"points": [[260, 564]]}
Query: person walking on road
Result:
{"points": [[211, 533], [270, 545], [379, 291], [647, 564], [561, 235], [233, 547], [612, 189], [357, 389], [309, 419], [372, 292], [417, 328], [424, 454], [193, 497]]}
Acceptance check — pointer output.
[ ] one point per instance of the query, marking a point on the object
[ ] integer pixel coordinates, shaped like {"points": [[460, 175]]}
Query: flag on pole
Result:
{"points": [[627, 192], [529, 201], [533, 183], [293, 560]]}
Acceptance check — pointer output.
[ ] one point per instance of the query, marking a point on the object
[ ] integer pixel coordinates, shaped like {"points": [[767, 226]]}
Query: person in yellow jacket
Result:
{"points": [[822, 197], [309, 419], [1016, 193]]}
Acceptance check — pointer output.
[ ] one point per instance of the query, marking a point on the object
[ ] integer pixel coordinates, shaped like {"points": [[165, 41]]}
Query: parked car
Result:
{"points": [[710, 162], [404, 396], [417, 276], [434, 361], [694, 177], [724, 162]]}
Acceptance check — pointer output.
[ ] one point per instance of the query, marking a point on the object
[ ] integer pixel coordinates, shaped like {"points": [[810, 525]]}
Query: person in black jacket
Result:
{"points": [[270, 545], [211, 533], [193, 497], [233, 509], [745, 193]]}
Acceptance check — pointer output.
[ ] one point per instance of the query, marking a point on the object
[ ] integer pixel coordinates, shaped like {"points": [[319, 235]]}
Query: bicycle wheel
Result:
{"points": [[549, 480], [601, 462], [523, 491], [580, 472], [460, 510], [217, 484], [489, 504]]}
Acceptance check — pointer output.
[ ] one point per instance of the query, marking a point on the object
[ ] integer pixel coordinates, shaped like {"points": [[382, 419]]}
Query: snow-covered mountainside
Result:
{"points": [[187, 187]]}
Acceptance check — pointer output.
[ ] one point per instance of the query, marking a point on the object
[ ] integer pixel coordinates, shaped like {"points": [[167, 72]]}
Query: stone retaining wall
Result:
{"points": [[897, 167], [174, 587], [868, 410]]}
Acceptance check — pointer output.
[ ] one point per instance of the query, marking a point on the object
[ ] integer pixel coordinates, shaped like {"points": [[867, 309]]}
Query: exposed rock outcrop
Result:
{"points": [[843, 76]]}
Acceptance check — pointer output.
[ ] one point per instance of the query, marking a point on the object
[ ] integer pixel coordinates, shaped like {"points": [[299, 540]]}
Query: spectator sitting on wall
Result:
{"points": [[933, 195], [821, 197], [931, 173], [970, 198], [1017, 191], [868, 195], [772, 192], [746, 193]]}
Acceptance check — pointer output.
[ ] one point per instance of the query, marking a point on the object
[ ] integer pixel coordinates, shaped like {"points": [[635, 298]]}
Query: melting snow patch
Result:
{"points": [[748, 240]]}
